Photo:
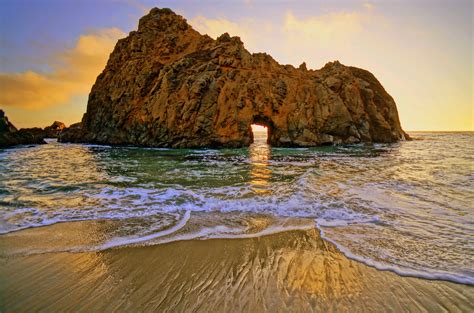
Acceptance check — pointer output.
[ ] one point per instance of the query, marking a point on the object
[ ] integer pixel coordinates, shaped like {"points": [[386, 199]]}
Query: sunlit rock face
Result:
{"points": [[166, 85]]}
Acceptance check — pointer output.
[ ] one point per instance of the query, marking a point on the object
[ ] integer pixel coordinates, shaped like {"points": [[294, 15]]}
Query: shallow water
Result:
{"points": [[405, 207]]}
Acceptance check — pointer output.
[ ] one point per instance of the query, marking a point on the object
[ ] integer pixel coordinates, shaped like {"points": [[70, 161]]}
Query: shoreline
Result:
{"points": [[292, 270], [174, 234]]}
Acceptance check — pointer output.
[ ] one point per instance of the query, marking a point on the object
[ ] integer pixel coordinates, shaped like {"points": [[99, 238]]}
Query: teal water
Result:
{"points": [[405, 207]]}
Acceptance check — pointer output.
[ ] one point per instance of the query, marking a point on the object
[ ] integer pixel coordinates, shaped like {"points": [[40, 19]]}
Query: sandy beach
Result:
{"points": [[292, 271]]}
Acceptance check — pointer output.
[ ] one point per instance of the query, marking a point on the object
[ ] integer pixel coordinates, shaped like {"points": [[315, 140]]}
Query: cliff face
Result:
{"points": [[167, 85]]}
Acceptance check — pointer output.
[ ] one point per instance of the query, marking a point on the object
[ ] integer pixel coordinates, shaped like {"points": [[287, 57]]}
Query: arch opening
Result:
{"points": [[259, 133], [260, 130], [259, 156]]}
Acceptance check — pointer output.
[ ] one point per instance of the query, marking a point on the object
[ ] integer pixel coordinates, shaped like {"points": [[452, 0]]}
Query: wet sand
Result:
{"points": [[293, 271]]}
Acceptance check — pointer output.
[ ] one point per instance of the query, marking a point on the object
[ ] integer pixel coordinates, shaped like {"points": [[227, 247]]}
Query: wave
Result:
{"points": [[121, 241]]}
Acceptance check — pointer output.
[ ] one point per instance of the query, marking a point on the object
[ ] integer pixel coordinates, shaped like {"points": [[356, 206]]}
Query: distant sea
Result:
{"points": [[405, 207]]}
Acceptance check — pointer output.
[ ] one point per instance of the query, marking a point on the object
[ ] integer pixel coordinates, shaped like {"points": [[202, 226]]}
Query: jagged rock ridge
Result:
{"points": [[166, 85]]}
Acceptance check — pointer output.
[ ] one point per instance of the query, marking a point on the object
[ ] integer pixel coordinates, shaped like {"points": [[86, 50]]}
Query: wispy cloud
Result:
{"points": [[291, 39], [324, 28], [244, 28], [74, 70], [368, 5]]}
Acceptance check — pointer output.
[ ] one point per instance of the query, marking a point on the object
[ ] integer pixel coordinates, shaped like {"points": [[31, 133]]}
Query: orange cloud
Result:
{"points": [[73, 73]]}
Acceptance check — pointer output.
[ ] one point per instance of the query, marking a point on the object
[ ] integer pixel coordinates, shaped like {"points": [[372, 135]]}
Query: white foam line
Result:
{"points": [[396, 269], [268, 231], [207, 234], [126, 241]]}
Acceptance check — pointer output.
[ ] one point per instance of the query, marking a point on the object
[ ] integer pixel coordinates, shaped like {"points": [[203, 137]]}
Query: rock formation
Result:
{"points": [[10, 136], [166, 85], [5, 125], [54, 130]]}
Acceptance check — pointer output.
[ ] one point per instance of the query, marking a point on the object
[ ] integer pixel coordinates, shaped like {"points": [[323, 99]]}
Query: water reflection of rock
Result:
{"points": [[260, 172]]}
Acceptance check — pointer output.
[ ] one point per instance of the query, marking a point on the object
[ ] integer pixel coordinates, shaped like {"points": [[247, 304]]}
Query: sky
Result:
{"points": [[51, 51]]}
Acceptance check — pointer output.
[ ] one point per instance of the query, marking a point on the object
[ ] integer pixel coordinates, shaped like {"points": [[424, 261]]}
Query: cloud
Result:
{"points": [[291, 39], [368, 5], [216, 27], [327, 37], [325, 27], [73, 71], [243, 28]]}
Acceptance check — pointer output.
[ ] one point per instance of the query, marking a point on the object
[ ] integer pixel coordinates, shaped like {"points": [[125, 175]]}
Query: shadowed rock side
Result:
{"points": [[10, 136], [167, 85]]}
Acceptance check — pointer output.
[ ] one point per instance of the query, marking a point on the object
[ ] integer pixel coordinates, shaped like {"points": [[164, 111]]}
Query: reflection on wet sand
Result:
{"points": [[291, 271], [259, 155]]}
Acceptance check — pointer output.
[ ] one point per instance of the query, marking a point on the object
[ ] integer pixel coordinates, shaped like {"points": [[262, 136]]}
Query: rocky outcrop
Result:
{"points": [[167, 85], [10, 136], [52, 131], [5, 125], [73, 133]]}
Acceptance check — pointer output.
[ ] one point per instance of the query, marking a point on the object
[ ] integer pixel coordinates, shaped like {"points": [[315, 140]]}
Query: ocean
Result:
{"points": [[406, 207]]}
